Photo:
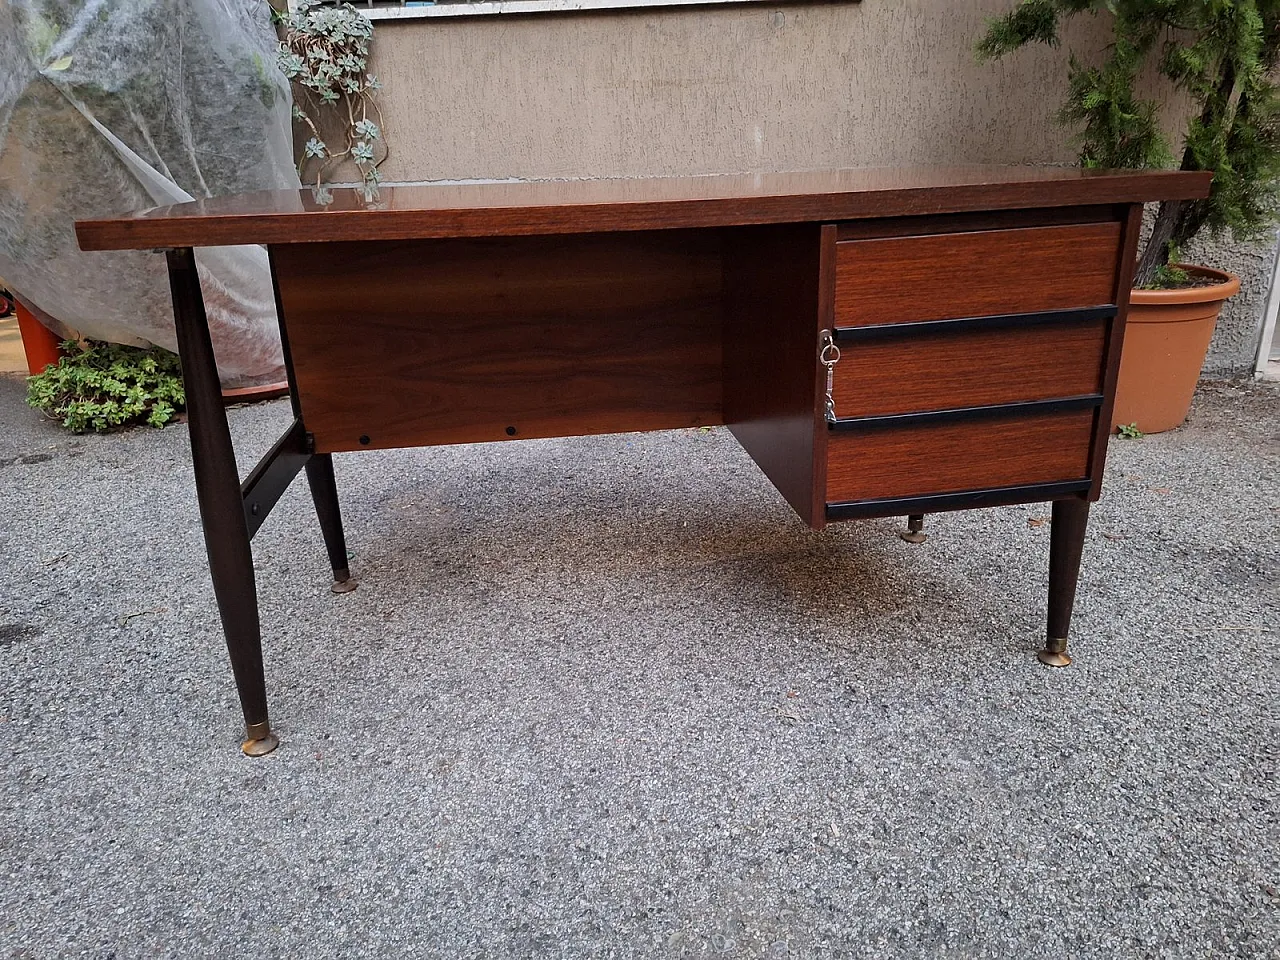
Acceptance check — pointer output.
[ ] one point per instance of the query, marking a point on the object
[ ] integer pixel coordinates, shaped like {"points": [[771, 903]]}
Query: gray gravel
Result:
{"points": [[608, 698]]}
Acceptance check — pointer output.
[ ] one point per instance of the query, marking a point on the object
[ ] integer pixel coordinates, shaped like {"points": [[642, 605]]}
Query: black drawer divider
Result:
{"points": [[881, 331], [961, 414], [967, 499]]}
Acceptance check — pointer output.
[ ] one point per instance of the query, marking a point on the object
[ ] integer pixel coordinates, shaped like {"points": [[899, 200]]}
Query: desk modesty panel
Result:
{"points": [[882, 342]]}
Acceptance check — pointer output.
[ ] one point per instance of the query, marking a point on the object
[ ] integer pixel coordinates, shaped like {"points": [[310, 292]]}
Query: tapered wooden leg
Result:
{"points": [[324, 491], [226, 535], [915, 529], [1066, 543]]}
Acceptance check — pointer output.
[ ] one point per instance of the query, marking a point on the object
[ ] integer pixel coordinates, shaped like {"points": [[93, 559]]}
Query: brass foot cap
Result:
{"points": [[1051, 658], [261, 747], [345, 586], [913, 536]]}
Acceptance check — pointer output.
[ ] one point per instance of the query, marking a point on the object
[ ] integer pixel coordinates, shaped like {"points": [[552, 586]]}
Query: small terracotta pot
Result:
{"points": [[40, 344], [1165, 341]]}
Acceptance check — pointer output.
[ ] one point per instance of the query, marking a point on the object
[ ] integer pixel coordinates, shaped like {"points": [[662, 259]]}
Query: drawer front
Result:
{"points": [[976, 274], [939, 370], [922, 457]]}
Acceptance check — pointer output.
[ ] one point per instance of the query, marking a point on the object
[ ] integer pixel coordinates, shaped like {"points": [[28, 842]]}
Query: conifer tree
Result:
{"points": [[1223, 53]]}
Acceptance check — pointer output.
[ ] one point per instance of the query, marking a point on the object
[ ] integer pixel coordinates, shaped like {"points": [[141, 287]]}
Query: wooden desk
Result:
{"points": [[978, 314]]}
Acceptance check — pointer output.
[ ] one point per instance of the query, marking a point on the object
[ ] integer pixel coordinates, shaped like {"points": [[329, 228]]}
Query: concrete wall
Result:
{"points": [[690, 91]]}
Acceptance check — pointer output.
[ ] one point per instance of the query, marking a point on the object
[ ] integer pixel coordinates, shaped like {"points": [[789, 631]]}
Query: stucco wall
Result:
{"points": [[1235, 341], [689, 91]]}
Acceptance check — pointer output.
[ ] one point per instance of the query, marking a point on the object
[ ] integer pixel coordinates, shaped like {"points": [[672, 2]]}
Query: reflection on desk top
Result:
{"points": [[517, 208]]}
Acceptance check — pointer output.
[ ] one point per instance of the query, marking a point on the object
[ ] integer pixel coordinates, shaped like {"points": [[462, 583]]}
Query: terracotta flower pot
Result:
{"points": [[39, 343], [1165, 341], [267, 391]]}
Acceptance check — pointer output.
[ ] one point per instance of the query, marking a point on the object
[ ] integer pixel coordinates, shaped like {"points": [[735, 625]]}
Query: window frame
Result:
{"points": [[413, 10]]}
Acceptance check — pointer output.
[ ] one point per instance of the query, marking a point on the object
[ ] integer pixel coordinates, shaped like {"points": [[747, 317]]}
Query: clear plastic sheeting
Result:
{"points": [[109, 106]]}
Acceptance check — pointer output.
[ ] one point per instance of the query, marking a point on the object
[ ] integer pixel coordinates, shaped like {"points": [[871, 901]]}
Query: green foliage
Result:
{"points": [[325, 53], [1130, 431], [1031, 21], [1223, 53], [104, 385], [1169, 276]]}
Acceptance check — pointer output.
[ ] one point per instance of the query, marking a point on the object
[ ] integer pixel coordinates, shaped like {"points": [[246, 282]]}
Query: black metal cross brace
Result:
{"points": [[268, 481]]}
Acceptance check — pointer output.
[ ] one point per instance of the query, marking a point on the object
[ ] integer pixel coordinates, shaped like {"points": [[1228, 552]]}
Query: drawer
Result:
{"points": [[976, 274], [934, 369], [947, 455]]}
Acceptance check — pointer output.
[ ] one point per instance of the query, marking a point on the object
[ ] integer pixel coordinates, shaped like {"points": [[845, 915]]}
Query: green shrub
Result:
{"points": [[100, 386], [1223, 54]]}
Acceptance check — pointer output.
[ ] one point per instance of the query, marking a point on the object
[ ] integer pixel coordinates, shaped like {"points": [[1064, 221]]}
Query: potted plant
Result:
{"points": [[1222, 54]]}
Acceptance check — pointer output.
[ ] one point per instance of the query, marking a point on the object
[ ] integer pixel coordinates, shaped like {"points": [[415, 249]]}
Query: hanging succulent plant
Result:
{"points": [[325, 53]]}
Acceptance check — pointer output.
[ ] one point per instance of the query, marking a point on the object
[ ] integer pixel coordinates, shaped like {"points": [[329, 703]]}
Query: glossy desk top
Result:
{"points": [[582, 206]]}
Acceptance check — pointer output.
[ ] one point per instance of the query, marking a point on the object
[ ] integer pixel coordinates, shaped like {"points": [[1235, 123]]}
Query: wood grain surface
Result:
{"points": [[969, 368], [777, 299], [905, 279], [431, 342], [918, 460], [1115, 342], [579, 206]]}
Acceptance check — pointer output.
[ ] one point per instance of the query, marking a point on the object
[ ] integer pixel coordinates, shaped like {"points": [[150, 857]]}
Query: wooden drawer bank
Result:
{"points": [[971, 361]]}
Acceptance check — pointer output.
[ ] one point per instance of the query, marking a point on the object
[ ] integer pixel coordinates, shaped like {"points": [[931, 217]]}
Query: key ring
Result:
{"points": [[829, 356]]}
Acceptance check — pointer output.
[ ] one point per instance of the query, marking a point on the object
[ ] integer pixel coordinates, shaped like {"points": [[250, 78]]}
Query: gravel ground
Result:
{"points": [[608, 698]]}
